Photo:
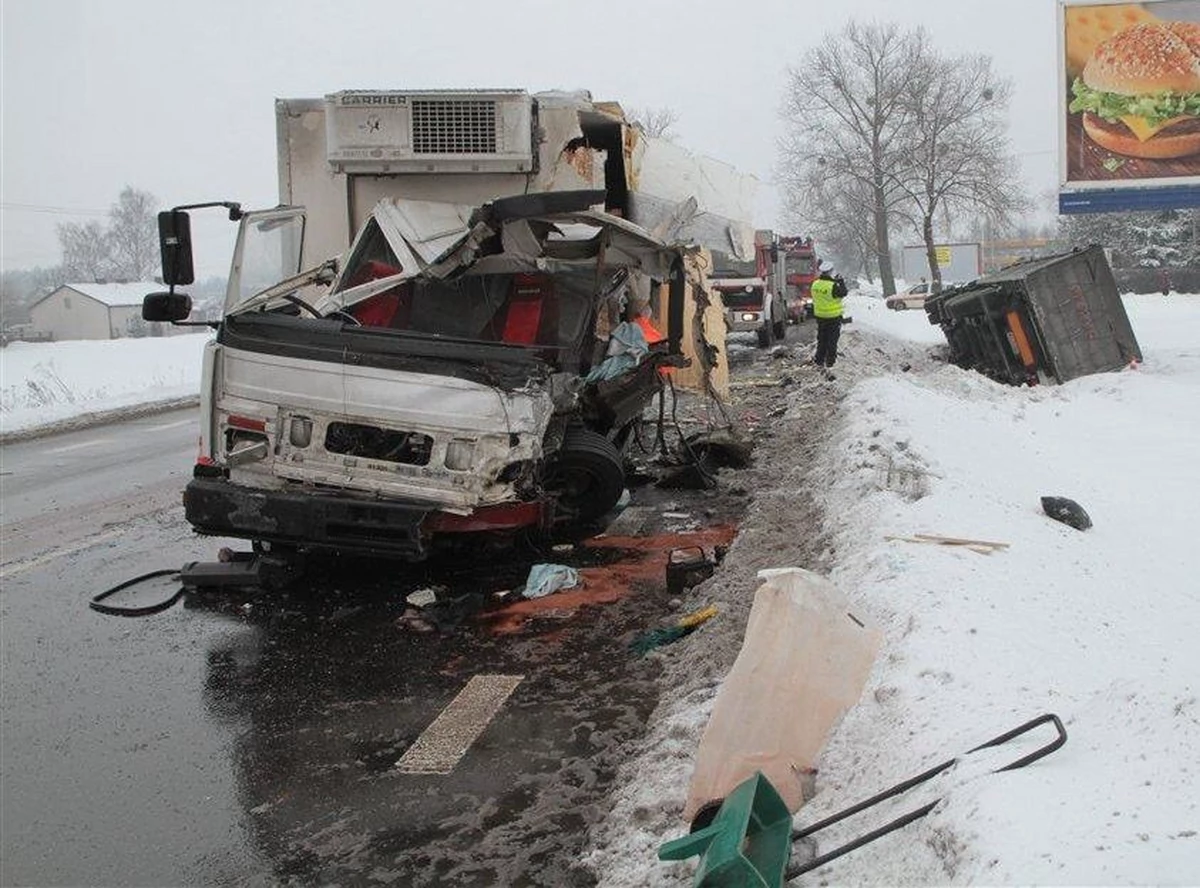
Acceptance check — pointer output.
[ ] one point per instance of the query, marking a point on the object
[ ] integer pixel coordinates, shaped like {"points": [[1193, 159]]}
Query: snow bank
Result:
{"points": [[45, 383], [1097, 626]]}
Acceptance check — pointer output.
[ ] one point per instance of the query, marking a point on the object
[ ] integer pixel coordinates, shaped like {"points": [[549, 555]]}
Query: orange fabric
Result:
{"points": [[649, 330]]}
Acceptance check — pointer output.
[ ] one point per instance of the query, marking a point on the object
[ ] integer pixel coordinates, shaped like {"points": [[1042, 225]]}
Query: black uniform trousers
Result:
{"points": [[828, 331]]}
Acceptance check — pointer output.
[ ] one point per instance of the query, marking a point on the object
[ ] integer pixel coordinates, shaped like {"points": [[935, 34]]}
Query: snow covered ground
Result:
{"points": [[1099, 626], [46, 383]]}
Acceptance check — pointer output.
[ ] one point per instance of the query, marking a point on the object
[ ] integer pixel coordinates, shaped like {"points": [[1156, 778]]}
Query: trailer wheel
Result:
{"points": [[586, 475]]}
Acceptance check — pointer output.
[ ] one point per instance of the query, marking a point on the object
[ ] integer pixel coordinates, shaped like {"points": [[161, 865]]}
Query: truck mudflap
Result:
{"points": [[218, 507]]}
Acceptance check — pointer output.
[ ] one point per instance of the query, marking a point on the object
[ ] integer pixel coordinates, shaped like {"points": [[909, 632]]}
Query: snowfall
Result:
{"points": [[1100, 626]]}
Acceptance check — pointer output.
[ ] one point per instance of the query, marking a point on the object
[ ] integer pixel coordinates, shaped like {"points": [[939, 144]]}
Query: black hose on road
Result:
{"points": [[144, 610]]}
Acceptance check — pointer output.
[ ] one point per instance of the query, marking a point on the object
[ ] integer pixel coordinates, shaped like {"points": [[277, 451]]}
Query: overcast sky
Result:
{"points": [[177, 98]]}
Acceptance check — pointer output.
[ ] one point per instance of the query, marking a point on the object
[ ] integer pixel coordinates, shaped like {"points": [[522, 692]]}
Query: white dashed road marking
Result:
{"points": [[171, 425], [447, 739], [70, 447]]}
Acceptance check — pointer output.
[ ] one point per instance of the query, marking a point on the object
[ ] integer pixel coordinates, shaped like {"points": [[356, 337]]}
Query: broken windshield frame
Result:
{"points": [[741, 297], [268, 250]]}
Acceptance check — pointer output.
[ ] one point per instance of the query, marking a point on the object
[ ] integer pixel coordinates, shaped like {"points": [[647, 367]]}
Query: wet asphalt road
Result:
{"points": [[250, 738]]}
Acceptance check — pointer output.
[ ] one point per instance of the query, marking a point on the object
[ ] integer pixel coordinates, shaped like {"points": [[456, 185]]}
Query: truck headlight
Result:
{"points": [[300, 431], [460, 453], [749, 316]]}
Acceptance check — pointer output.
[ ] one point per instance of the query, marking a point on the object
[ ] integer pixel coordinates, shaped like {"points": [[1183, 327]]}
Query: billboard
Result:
{"points": [[1129, 105], [957, 263]]}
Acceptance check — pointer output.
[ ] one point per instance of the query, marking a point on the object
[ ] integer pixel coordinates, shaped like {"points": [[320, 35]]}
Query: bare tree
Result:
{"points": [[133, 235], [655, 122], [846, 113], [125, 250], [86, 249], [956, 154], [840, 211]]}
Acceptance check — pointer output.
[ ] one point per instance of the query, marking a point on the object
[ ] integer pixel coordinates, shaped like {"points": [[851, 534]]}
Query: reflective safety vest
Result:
{"points": [[824, 305]]}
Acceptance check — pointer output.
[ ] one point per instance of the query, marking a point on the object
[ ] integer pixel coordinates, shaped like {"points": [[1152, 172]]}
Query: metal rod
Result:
{"points": [[900, 788]]}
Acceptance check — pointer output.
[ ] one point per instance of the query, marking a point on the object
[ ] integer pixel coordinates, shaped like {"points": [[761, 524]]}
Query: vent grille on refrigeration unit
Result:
{"points": [[453, 126]]}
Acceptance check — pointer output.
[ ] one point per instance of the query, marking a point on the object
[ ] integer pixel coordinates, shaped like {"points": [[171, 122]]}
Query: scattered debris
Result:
{"points": [[747, 837], [423, 597], [545, 579], [720, 448], [689, 477], [1067, 511], [686, 567], [983, 547], [412, 620], [630, 522], [686, 625]]}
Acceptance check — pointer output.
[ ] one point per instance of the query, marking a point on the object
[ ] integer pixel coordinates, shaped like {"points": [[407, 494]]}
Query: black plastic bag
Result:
{"points": [[1067, 511]]}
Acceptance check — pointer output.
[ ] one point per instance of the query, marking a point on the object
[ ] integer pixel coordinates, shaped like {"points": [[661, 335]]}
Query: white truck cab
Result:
{"points": [[464, 374]]}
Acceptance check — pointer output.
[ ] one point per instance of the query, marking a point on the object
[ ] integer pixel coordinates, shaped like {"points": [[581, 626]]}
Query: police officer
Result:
{"points": [[827, 291]]}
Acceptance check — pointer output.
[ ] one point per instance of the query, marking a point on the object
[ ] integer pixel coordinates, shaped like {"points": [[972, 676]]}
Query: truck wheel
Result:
{"points": [[764, 336], [780, 331], [586, 475]]}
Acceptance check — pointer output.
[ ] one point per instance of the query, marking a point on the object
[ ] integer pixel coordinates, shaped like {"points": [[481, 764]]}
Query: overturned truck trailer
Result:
{"points": [[1046, 320]]}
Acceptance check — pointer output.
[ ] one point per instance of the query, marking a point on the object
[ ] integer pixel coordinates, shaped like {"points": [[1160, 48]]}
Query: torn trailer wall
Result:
{"points": [[340, 155]]}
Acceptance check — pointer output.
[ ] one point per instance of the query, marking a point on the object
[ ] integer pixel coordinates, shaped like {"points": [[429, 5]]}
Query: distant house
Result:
{"points": [[94, 311]]}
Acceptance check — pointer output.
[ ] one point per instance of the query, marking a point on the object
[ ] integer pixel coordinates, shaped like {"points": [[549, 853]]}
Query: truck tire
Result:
{"points": [[780, 330], [764, 335], [586, 475]]}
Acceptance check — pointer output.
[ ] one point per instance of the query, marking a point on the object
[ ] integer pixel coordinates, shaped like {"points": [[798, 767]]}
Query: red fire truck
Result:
{"points": [[801, 270]]}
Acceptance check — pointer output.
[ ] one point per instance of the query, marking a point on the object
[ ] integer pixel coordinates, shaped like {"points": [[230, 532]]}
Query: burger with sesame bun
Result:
{"points": [[1140, 91]]}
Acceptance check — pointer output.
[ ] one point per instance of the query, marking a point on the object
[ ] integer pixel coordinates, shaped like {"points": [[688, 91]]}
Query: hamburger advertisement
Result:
{"points": [[1132, 93]]}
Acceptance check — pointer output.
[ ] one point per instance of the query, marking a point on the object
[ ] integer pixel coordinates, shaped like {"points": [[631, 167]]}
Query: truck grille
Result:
{"points": [[372, 442], [454, 126]]}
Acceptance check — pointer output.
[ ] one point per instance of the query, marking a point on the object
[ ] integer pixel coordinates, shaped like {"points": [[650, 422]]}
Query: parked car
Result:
{"points": [[913, 297]]}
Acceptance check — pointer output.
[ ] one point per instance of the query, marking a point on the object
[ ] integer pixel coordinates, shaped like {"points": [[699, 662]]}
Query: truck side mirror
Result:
{"points": [[175, 244], [166, 306]]}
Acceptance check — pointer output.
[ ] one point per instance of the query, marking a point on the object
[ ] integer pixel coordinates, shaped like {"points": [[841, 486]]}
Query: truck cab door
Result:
{"points": [[268, 250]]}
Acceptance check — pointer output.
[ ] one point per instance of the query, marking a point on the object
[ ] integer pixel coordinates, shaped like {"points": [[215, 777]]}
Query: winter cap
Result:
{"points": [[825, 265]]}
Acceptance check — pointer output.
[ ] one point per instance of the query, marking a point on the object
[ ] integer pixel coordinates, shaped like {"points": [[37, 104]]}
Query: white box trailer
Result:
{"points": [[339, 155], [958, 263]]}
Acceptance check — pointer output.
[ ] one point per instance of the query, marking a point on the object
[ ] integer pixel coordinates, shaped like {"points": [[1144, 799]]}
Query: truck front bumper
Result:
{"points": [[309, 519]]}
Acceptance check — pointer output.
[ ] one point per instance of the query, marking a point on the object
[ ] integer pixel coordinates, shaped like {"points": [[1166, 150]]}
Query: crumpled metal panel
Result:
{"points": [[506, 426], [431, 229], [661, 176]]}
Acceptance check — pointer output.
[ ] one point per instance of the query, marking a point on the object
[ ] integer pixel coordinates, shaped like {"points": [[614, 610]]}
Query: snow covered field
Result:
{"points": [[43, 383], [1099, 626]]}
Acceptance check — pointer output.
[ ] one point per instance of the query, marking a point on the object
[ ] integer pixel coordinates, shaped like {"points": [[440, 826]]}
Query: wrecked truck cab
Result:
{"points": [[470, 370]]}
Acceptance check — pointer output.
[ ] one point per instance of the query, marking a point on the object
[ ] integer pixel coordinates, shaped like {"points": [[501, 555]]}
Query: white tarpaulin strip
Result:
{"points": [[446, 741]]}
